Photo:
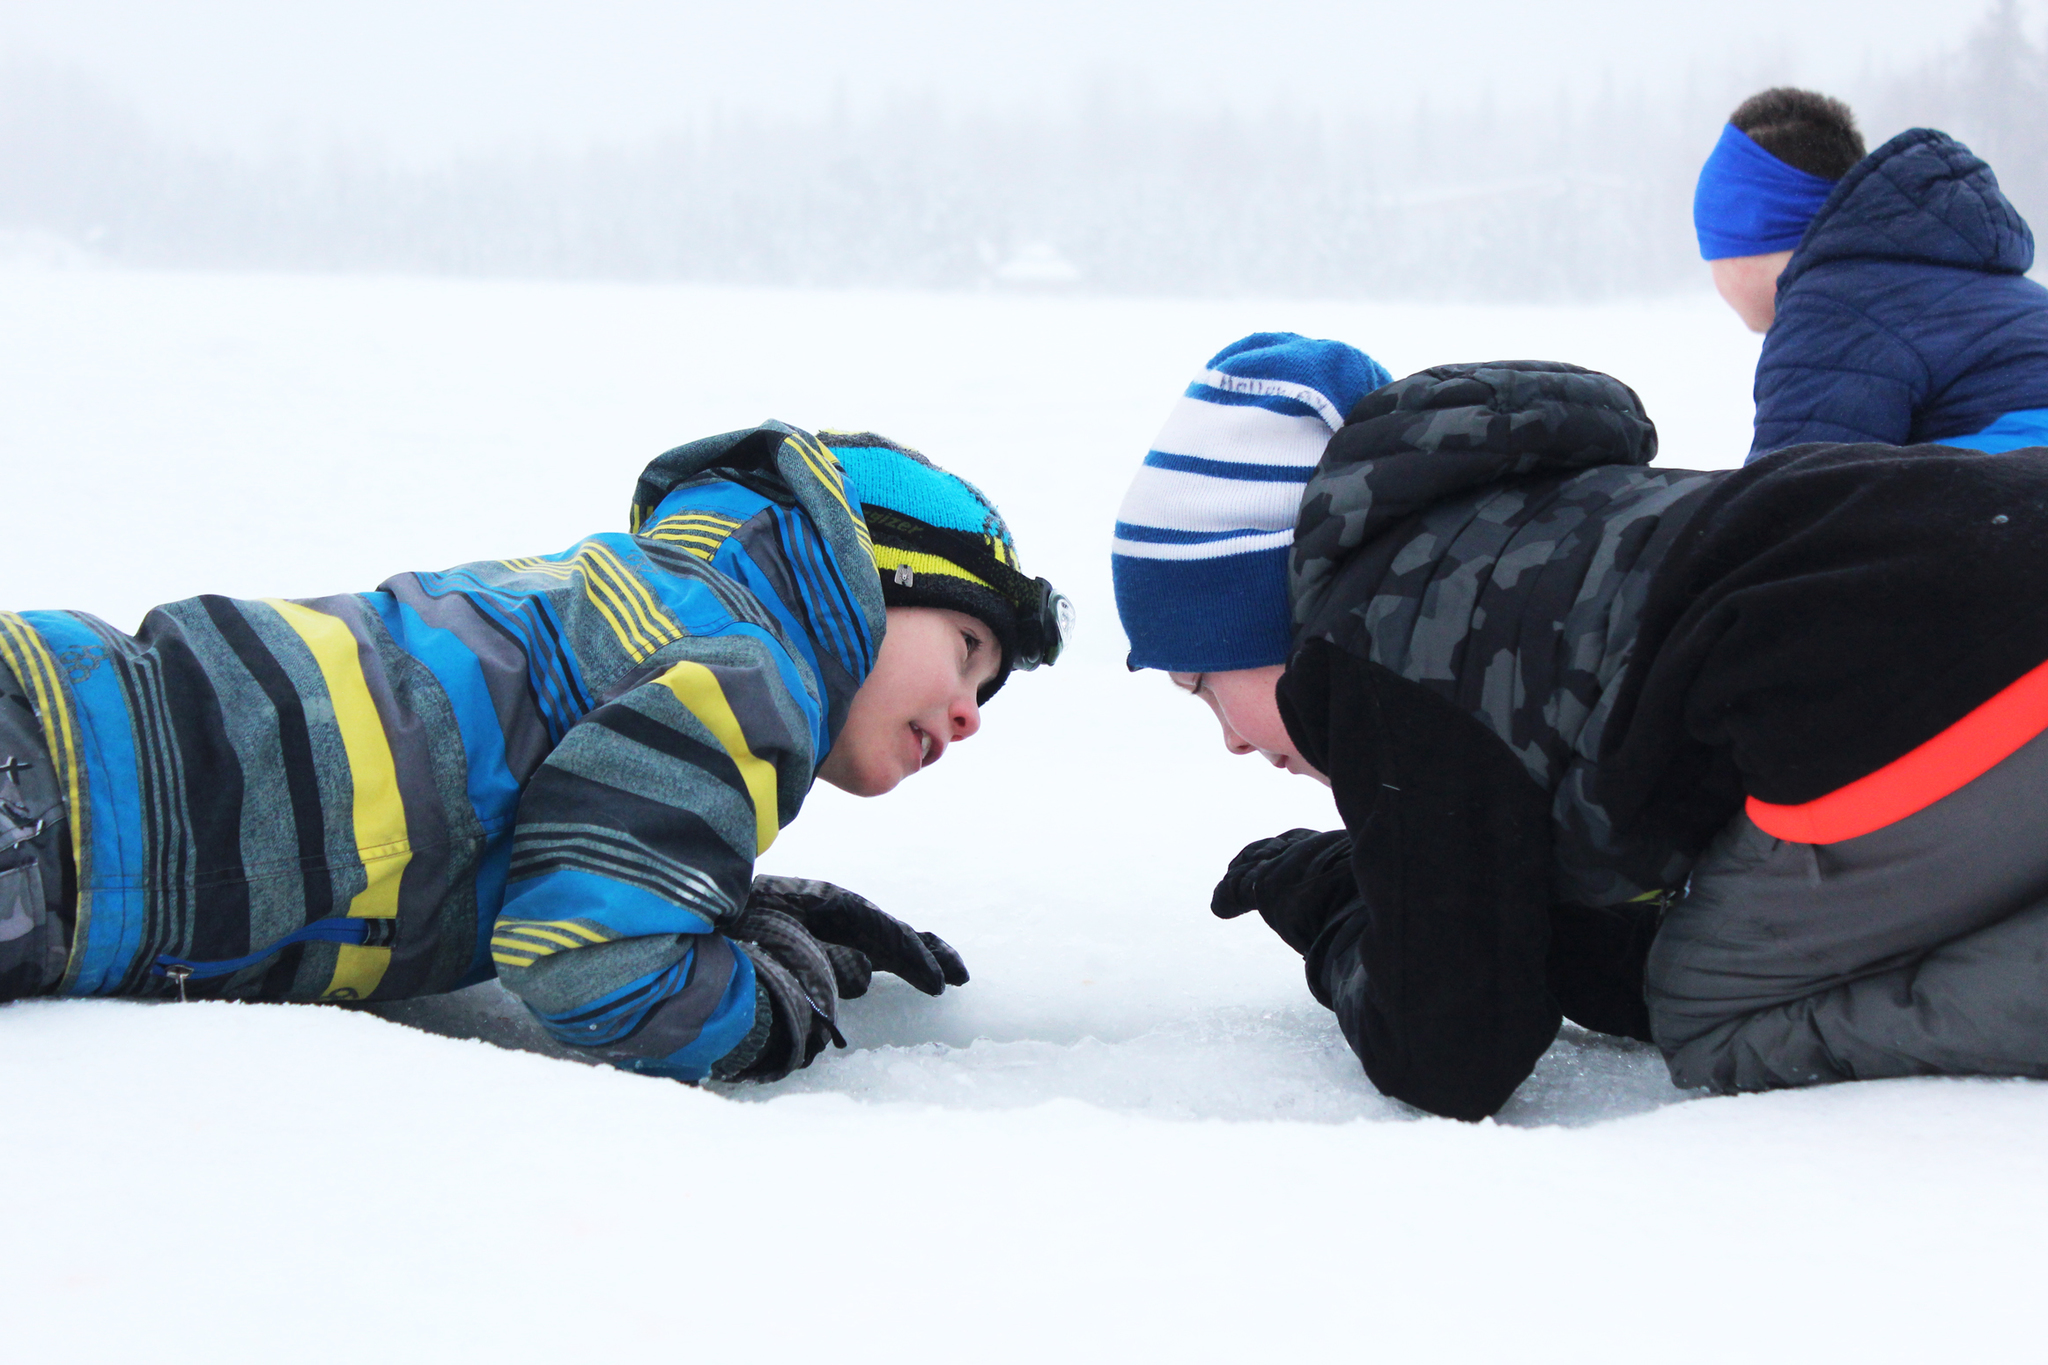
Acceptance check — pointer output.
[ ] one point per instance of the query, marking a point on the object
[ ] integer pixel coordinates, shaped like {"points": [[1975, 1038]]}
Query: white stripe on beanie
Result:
{"points": [[1220, 467], [1275, 388], [1248, 434], [1206, 549], [1170, 500]]}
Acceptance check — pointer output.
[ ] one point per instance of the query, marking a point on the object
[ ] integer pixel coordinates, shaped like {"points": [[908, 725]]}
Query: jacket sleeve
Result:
{"points": [[636, 841], [1438, 973], [1829, 372], [1598, 956]]}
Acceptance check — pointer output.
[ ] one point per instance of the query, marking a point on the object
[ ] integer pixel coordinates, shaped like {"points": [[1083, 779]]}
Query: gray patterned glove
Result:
{"points": [[858, 937], [799, 982]]}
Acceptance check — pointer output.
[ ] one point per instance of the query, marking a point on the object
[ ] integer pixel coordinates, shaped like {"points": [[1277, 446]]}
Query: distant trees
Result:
{"points": [[1993, 94], [1587, 198]]}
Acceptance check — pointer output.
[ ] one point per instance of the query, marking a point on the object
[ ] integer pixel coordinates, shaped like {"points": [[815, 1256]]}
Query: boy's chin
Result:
{"points": [[1298, 767], [862, 779]]}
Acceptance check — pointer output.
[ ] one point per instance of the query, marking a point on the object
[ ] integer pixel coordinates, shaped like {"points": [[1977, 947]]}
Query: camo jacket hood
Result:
{"points": [[1490, 532]]}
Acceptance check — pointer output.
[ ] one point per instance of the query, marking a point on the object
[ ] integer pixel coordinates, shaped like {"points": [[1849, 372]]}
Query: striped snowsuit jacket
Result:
{"points": [[559, 768]]}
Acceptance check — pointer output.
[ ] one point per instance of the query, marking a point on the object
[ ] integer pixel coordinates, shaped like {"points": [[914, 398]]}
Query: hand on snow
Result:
{"points": [[859, 937], [813, 944], [1297, 881]]}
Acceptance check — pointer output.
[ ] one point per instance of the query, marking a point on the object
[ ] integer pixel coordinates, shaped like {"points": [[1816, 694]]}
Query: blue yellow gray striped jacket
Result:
{"points": [[561, 768]]}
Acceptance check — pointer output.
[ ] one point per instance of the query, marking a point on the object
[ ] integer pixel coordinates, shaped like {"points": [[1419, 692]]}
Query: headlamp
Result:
{"points": [[1045, 620]]}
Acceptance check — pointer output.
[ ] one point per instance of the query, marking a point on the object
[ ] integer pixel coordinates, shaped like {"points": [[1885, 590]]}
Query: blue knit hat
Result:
{"points": [[939, 542], [1200, 557]]}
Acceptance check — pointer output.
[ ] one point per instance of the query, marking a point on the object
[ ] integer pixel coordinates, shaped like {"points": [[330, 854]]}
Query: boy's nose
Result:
{"points": [[1233, 742], [966, 718]]}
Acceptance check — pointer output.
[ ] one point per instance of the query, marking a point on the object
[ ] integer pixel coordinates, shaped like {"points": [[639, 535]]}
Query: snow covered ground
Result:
{"points": [[1133, 1136]]}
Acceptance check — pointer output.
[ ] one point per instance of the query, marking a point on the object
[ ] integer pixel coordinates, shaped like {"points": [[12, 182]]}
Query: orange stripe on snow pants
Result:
{"points": [[1917, 779]]}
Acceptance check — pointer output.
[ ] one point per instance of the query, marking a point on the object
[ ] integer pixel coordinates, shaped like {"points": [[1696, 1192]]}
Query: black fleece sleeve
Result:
{"points": [[1438, 975], [1597, 958]]}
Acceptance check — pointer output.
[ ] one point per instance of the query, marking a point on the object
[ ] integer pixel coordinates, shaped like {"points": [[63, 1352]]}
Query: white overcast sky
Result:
{"points": [[422, 79]]}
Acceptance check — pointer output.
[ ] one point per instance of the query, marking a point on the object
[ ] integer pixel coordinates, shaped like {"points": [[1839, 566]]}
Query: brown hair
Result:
{"points": [[1813, 133]]}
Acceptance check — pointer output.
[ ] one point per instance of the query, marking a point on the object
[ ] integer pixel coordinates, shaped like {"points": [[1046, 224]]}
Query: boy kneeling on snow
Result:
{"points": [[1747, 762], [559, 768]]}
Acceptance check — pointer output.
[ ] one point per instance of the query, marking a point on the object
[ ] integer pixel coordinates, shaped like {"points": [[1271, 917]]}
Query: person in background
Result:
{"points": [[1890, 288]]}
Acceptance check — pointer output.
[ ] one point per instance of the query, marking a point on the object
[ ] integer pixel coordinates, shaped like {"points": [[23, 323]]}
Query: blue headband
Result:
{"points": [[1749, 203]]}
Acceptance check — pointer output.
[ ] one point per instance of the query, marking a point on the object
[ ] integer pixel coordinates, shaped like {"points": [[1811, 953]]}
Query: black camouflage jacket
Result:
{"points": [[1470, 567], [1541, 676]]}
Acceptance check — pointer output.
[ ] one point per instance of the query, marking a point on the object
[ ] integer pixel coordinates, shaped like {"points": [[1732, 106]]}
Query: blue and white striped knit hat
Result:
{"points": [[1200, 557]]}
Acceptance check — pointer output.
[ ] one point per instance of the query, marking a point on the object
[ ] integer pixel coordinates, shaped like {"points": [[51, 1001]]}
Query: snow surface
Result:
{"points": [[1133, 1135]]}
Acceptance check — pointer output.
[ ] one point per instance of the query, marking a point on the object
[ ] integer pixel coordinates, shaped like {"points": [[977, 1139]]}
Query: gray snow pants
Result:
{"points": [[1919, 949]]}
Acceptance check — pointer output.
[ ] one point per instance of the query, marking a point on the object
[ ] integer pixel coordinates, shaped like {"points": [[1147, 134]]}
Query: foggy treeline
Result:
{"points": [[1588, 197]]}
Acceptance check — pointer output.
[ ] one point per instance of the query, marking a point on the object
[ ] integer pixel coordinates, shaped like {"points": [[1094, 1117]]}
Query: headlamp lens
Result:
{"points": [[1054, 620]]}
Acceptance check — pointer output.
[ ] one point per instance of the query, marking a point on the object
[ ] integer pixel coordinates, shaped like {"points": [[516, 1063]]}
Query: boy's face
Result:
{"points": [[1749, 285], [919, 699], [1249, 714]]}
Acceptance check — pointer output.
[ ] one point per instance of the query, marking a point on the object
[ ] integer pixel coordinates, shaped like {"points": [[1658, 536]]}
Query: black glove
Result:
{"points": [[858, 937], [1297, 881]]}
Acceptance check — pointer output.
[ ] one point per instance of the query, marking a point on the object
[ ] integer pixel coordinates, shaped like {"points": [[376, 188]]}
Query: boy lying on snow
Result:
{"points": [[564, 766], [1747, 763], [1891, 288]]}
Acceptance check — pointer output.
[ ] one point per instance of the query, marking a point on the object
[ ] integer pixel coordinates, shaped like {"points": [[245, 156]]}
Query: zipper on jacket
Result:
{"points": [[363, 932]]}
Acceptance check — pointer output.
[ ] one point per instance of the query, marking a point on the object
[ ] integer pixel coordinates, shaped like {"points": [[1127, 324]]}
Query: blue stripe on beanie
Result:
{"points": [[1749, 203], [1205, 615], [1200, 556], [906, 482]]}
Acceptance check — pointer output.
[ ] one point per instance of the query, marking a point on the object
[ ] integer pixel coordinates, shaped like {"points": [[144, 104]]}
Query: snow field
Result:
{"points": [[1132, 1135], [224, 1182]]}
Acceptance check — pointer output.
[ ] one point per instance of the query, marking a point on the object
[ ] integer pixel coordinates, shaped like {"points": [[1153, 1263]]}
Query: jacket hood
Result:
{"points": [[788, 465], [1448, 431], [1921, 197], [754, 449]]}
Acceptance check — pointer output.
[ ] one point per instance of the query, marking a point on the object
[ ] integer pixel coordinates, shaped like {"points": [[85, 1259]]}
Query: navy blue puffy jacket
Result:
{"points": [[1904, 316]]}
